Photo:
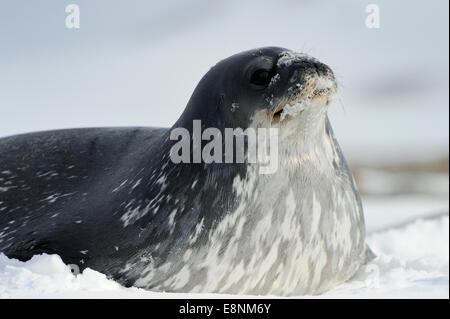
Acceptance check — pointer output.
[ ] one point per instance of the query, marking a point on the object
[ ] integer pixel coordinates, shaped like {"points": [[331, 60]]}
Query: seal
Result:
{"points": [[111, 199]]}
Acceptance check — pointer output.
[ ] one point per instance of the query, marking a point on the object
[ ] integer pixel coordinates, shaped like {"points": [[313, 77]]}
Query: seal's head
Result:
{"points": [[263, 87]]}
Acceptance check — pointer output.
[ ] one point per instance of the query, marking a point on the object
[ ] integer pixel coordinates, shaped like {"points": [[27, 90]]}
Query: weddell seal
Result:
{"points": [[114, 200]]}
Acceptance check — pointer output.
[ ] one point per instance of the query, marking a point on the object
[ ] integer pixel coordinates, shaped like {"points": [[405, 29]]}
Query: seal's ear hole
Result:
{"points": [[260, 77]]}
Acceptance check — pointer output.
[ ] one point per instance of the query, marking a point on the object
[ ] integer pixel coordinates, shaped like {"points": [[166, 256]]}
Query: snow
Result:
{"points": [[287, 58], [411, 262], [292, 110]]}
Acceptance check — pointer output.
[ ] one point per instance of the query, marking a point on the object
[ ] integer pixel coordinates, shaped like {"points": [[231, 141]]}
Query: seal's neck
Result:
{"points": [[305, 137]]}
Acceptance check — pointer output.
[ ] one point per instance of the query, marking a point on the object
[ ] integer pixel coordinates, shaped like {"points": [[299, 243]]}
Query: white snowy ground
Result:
{"points": [[412, 262]]}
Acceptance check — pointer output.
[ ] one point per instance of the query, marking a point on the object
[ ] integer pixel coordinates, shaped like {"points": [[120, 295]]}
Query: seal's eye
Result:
{"points": [[260, 77]]}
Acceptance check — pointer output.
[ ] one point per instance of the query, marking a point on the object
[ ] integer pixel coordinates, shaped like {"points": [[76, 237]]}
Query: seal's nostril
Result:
{"points": [[321, 69]]}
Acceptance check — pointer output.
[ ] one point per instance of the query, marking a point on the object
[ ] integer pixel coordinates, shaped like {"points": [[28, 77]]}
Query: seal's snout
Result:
{"points": [[307, 79]]}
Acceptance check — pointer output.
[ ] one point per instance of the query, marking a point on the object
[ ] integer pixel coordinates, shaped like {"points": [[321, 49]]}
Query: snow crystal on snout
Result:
{"points": [[287, 58], [274, 80], [324, 83], [292, 110]]}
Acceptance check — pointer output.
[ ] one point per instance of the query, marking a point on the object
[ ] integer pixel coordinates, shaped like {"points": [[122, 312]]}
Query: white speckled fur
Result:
{"points": [[307, 208]]}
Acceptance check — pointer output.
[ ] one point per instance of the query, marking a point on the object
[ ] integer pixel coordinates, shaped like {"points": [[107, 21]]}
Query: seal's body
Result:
{"points": [[113, 200]]}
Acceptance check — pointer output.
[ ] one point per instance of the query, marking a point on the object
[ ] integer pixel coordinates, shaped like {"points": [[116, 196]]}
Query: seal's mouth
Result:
{"points": [[323, 89]]}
